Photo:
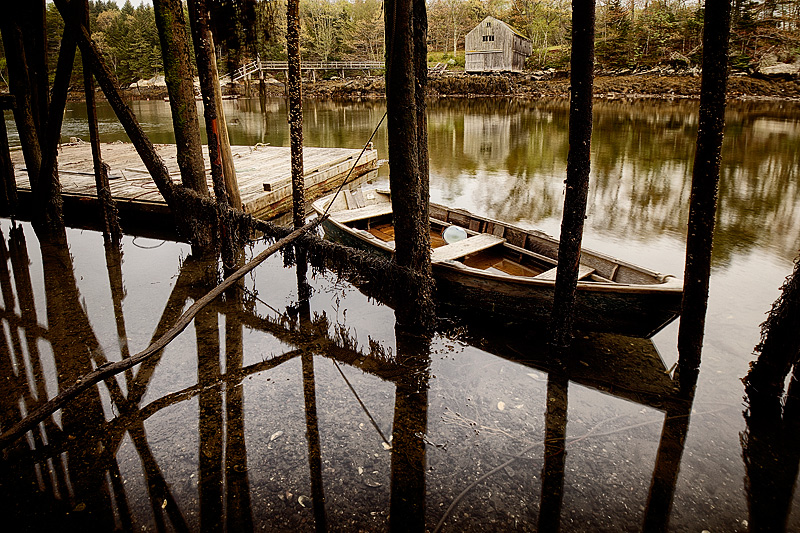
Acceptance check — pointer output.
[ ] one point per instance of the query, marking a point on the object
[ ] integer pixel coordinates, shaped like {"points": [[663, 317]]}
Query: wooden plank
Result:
{"points": [[468, 246], [550, 275], [255, 167], [362, 213]]}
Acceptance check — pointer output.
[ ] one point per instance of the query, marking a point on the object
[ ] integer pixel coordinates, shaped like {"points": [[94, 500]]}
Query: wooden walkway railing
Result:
{"points": [[255, 66]]}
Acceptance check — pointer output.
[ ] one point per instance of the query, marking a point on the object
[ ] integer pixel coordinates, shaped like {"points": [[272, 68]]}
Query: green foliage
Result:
{"points": [[765, 32], [628, 33], [453, 63]]}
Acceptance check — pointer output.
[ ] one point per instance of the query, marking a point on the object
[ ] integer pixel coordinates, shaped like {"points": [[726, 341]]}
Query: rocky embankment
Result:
{"points": [[557, 86], [652, 84]]}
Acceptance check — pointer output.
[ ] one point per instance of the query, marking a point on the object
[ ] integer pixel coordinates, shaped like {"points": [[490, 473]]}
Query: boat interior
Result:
{"points": [[489, 245]]}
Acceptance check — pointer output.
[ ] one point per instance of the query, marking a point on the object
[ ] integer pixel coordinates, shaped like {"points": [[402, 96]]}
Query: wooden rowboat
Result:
{"points": [[509, 271]]}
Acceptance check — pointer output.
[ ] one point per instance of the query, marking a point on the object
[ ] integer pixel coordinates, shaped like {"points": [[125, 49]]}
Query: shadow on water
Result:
{"points": [[771, 439], [233, 472]]}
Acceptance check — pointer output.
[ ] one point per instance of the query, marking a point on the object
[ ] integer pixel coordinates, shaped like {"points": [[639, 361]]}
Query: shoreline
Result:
{"points": [[519, 86]]}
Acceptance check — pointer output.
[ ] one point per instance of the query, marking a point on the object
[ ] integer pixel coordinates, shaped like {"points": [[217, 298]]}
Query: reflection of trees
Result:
{"points": [[641, 163]]}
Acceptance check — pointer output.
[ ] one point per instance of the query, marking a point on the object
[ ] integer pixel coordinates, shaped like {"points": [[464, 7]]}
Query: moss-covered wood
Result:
{"points": [[408, 161], [294, 90], [178, 75]]}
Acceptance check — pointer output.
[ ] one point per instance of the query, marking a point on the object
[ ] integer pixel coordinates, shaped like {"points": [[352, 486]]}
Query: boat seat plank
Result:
{"points": [[550, 275], [362, 213], [463, 248]]}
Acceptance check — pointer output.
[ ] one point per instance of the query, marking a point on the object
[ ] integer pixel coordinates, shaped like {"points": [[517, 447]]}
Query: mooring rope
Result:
{"points": [[346, 178], [364, 407]]}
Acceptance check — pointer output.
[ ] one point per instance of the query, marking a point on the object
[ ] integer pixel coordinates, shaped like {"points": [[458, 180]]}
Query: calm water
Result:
{"points": [[255, 411]]}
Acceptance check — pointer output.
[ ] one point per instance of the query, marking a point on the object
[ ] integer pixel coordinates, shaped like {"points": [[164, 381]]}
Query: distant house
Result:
{"points": [[494, 46]]}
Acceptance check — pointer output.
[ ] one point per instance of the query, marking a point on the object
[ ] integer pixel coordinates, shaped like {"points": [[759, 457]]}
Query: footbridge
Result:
{"points": [[255, 66]]}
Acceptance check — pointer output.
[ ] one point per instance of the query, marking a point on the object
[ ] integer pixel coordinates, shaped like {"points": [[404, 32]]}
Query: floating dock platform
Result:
{"points": [[263, 173]]}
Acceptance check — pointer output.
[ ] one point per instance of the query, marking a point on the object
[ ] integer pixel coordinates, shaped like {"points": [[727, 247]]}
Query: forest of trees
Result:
{"points": [[630, 33]]}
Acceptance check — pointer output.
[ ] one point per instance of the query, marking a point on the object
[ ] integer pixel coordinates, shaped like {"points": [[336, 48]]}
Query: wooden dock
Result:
{"points": [[263, 173]]}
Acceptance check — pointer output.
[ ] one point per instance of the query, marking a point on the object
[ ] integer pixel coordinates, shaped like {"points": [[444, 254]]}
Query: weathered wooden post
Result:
{"points": [[408, 177], [180, 203], [204, 57], [228, 170], [705, 181], [294, 91], [178, 75], [578, 164], [108, 208], [38, 121], [294, 88], [262, 87], [8, 183], [26, 114]]}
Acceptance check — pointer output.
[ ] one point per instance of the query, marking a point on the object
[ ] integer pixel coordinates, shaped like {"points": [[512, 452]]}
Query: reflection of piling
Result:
{"points": [[69, 328], [407, 505], [555, 455], [211, 478], [771, 442], [239, 508], [771, 453], [310, 398], [114, 266], [779, 348], [668, 460]]}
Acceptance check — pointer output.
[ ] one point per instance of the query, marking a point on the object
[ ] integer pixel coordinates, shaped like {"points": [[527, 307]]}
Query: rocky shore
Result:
{"points": [[557, 86], [657, 85]]}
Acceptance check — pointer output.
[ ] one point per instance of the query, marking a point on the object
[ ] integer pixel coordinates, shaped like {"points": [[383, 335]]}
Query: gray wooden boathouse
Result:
{"points": [[494, 46]]}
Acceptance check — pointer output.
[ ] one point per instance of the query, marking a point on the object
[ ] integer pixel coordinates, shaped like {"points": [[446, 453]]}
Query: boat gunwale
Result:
{"points": [[668, 284]]}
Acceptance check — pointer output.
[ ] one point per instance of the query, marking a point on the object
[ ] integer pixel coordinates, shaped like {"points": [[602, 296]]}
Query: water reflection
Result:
{"points": [[771, 439], [506, 159], [325, 468]]}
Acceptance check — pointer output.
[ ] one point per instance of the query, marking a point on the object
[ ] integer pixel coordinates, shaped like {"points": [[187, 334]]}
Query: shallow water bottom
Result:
{"points": [[265, 414]]}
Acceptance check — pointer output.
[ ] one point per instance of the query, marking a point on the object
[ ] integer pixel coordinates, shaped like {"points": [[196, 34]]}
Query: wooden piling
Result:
{"points": [[171, 26], [705, 181], [8, 184], [108, 208], [408, 181], [22, 86], [578, 164], [294, 89], [204, 56]]}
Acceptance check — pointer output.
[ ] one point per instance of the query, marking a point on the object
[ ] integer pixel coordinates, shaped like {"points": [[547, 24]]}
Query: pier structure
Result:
{"points": [[263, 174]]}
